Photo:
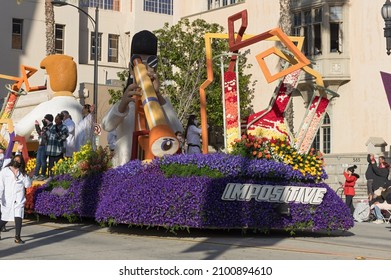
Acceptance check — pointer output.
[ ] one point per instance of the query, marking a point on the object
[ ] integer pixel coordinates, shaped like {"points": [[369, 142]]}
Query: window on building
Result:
{"points": [[92, 51], [105, 4], [309, 24], [17, 33], [113, 48], [322, 141], [59, 37], [159, 6], [336, 29], [214, 4]]}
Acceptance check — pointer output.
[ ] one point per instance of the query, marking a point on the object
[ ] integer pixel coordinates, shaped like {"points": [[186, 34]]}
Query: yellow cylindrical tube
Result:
{"points": [[162, 140]]}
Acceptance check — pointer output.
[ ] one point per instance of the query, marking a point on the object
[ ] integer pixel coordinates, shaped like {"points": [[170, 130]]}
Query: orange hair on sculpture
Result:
{"points": [[62, 72]]}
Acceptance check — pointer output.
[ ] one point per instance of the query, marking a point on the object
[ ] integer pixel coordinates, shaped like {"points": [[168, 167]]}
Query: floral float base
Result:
{"points": [[140, 194]]}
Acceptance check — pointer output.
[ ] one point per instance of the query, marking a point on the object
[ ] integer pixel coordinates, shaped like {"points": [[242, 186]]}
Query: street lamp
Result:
{"points": [[386, 14], [95, 23]]}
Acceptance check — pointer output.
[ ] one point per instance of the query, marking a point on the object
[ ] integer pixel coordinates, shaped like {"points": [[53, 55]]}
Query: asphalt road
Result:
{"points": [[50, 240]]}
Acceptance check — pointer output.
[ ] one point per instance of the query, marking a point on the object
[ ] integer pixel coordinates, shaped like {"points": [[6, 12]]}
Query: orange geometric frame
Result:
{"points": [[209, 67]]}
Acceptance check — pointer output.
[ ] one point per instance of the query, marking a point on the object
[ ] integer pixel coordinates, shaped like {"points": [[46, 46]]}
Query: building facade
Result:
{"points": [[343, 38]]}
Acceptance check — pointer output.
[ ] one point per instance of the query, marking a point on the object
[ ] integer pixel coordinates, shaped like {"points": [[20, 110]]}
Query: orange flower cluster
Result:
{"points": [[29, 205]]}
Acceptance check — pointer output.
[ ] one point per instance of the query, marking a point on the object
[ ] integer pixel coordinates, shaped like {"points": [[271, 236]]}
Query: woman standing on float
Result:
{"points": [[193, 136]]}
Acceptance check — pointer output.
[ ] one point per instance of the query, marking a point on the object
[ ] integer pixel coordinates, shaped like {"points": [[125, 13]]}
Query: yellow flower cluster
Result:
{"points": [[84, 162], [305, 163], [279, 150], [232, 134], [31, 165], [269, 133]]}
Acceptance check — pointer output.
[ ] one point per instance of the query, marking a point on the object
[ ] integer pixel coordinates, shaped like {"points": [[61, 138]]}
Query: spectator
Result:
{"points": [[193, 136], [369, 175], [381, 198], [13, 181], [41, 153], [70, 143], [85, 128], [6, 161], [2, 152], [348, 188], [380, 178], [55, 148]]}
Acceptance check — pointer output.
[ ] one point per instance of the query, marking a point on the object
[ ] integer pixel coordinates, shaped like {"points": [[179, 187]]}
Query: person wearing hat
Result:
{"points": [[121, 117], [40, 168], [348, 187]]}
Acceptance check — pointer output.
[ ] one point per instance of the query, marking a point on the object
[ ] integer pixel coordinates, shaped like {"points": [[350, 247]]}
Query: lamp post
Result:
{"points": [[386, 14], [95, 23]]}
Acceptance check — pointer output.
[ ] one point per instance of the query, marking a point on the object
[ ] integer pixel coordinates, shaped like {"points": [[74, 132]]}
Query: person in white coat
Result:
{"points": [[13, 181], [70, 124], [85, 128]]}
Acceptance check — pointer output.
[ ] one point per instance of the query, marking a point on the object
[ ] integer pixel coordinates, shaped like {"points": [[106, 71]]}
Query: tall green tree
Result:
{"points": [[49, 23], [183, 69]]}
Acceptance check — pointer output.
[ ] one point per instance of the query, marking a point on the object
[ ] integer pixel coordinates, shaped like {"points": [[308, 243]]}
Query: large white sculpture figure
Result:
{"points": [[122, 116], [62, 73]]}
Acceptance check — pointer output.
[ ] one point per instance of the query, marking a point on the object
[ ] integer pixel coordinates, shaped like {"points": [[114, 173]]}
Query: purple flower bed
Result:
{"points": [[80, 199], [142, 195]]}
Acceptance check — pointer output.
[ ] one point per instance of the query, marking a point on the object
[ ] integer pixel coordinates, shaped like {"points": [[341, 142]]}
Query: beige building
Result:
{"points": [[344, 39]]}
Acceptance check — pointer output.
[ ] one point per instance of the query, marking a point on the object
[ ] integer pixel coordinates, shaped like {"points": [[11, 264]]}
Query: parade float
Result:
{"points": [[267, 178]]}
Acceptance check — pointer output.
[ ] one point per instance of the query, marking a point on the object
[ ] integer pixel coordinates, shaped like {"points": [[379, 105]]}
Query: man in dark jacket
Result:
{"points": [[380, 178], [369, 175]]}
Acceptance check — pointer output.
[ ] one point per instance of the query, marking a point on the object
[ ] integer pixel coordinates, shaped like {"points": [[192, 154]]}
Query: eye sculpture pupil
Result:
{"points": [[167, 144]]}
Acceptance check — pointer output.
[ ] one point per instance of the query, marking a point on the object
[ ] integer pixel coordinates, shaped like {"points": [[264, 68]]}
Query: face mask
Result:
{"points": [[1, 156], [196, 122], [44, 122], [16, 164]]}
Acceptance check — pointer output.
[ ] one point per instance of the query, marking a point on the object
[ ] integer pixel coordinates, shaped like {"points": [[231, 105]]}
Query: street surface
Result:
{"points": [[50, 240]]}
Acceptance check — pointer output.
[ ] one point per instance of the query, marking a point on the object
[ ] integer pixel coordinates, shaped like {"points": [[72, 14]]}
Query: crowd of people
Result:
{"points": [[379, 185], [60, 137], [378, 178]]}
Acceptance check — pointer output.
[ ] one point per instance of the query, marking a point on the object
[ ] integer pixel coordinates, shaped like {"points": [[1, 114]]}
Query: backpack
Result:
{"points": [[362, 212]]}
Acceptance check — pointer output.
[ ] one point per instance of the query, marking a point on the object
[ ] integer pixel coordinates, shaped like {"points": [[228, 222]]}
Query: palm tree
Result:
{"points": [[286, 27], [49, 22]]}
